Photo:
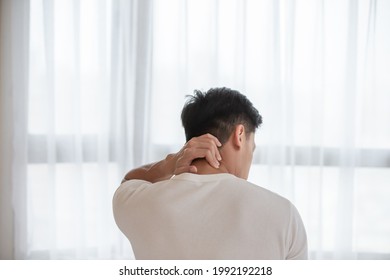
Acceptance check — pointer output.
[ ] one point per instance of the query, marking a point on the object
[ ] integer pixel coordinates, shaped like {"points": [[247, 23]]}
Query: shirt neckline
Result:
{"points": [[203, 177]]}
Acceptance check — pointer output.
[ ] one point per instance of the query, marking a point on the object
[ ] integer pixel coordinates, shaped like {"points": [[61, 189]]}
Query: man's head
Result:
{"points": [[229, 116]]}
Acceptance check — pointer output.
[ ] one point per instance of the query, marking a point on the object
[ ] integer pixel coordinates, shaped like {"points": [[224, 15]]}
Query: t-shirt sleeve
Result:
{"points": [[297, 237], [122, 202]]}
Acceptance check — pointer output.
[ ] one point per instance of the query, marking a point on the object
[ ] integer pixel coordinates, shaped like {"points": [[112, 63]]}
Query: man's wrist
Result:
{"points": [[170, 164]]}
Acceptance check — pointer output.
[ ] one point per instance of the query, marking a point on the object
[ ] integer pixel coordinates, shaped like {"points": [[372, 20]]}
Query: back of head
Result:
{"points": [[217, 112]]}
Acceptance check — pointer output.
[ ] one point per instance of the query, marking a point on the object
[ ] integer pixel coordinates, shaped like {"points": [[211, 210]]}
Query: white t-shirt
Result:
{"points": [[216, 216]]}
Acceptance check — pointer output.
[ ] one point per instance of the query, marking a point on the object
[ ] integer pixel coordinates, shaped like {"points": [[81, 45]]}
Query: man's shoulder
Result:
{"points": [[222, 183], [235, 186], [129, 187], [265, 194]]}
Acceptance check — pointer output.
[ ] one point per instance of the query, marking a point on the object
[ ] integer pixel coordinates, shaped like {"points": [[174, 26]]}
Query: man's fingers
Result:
{"points": [[193, 169], [185, 169], [209, 138], [210, 142], [218, 155], [215, 139], [211, 159], [203, 153], [204, 146]]}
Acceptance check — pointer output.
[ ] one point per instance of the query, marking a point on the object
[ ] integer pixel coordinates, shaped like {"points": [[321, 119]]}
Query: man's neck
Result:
{"points": [[204, 167]]}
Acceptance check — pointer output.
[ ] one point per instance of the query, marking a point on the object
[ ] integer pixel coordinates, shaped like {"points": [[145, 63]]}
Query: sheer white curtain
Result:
{"points": [[107, 81], [88, 109]]}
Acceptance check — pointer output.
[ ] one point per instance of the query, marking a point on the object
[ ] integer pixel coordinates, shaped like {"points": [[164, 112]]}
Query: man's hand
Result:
{"points": [[205, 146]]}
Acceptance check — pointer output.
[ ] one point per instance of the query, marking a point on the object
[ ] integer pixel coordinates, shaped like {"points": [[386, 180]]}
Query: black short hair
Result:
{"points": [[217, 112]]}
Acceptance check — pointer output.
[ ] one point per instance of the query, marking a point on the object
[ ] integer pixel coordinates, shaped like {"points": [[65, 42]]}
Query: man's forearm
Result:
{"points": [[154, 172], [205, 146]]}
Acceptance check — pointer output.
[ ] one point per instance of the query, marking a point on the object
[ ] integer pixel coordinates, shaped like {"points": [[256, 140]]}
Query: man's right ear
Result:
{"points": [[238, 135]]}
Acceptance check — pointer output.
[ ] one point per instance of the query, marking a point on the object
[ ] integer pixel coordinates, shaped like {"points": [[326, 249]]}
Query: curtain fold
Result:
{"points": [[345, 203], [14, 98], [6, 213]]}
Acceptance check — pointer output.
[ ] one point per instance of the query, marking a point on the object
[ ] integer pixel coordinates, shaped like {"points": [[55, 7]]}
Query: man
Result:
{"points": [[208, 210]]}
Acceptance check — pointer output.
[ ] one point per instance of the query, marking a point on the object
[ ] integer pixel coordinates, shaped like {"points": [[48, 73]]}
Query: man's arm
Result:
{"points": [[205, 146], [298, 240]]}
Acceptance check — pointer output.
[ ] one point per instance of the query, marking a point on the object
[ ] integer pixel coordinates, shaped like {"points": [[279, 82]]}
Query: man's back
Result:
{"points": [[215, 216]]}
